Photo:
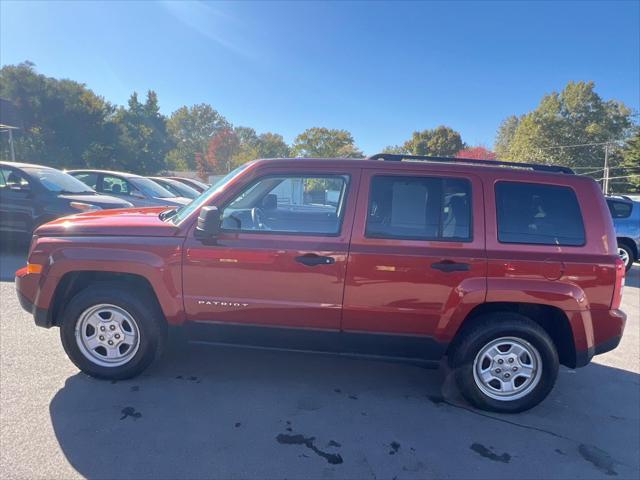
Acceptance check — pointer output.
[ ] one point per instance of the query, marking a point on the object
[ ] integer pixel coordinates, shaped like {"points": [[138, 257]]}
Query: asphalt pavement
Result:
{"points": [[205, 412]]}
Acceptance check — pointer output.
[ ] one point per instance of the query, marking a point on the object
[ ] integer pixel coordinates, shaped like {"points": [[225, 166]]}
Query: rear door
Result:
{"points": [[281, 257], [417, 253]]}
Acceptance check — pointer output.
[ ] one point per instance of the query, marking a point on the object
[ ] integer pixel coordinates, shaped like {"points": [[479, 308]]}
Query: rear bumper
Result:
{"points": [[608, 326]]}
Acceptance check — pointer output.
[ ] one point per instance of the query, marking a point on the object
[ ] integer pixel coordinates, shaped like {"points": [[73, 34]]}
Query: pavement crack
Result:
{"points": [[509, 422]]}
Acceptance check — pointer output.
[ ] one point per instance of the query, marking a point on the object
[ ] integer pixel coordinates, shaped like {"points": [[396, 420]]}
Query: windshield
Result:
{"points": [[57, 181], [187, 210], [150, 188], [178, 188]]}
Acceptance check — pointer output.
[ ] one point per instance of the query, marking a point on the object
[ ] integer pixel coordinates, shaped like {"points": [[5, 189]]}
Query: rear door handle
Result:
{"points": [[451, 266], [311, 260]]}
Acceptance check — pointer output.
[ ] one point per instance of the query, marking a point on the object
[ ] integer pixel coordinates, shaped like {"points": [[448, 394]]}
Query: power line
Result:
{"points": [[579, 145], [622, 176]]}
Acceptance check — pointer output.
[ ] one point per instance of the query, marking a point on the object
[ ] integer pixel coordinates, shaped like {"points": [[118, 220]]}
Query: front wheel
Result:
{"points": [[505, 362], [109, 332]]}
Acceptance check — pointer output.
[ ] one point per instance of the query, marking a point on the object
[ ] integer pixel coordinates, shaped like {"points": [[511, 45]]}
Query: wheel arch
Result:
{"points": [[552, 319], [74, 282], [628, 242]]}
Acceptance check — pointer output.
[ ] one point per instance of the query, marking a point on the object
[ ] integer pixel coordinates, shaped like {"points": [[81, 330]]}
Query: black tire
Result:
{"points": [[487, 328], [144, 311], [630, 256]]}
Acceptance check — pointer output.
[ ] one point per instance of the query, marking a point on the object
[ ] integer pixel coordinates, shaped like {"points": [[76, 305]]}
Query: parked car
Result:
{"points": [[626, 222], [492, 267], [192, 182], [31, 195], [138, 190], [177, 188]]}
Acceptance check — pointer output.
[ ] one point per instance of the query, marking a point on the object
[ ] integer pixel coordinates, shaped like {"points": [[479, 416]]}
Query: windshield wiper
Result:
{"points": [[165, 214]]}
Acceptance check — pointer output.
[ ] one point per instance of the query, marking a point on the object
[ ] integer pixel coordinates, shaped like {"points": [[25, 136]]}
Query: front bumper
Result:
{"points": [[40, 315]]}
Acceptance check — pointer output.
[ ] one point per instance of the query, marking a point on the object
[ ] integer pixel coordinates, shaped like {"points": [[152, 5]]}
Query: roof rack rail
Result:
{"points": [[394, 157]]}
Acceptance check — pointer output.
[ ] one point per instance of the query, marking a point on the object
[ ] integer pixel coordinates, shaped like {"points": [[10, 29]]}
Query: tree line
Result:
{"points": [[67, 125]]}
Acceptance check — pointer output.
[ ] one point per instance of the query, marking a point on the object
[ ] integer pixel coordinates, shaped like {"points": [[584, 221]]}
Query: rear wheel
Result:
{"points": [[626, 255], [109, 332], [505, 362]]}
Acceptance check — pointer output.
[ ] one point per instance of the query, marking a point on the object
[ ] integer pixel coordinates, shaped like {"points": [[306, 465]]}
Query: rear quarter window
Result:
{"points": [[539, 214], [619, 209]]}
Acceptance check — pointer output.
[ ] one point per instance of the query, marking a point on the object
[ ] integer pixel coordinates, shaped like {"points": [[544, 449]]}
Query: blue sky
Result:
{"points": [[380, 70]]}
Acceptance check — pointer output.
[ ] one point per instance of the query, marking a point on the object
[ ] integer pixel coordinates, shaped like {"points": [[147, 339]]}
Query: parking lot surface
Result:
{"points": [[204, 412]]}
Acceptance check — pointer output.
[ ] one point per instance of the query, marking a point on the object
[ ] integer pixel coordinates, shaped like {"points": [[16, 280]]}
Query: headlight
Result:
{"points": [[84, 207]]}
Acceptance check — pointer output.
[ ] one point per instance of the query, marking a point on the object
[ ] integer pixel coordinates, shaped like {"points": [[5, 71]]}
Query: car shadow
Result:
{"points": [[206, 412]]}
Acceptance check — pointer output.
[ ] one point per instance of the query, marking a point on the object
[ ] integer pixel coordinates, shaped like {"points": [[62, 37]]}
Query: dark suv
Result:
{"points": [[31, 195], [506, 271]]}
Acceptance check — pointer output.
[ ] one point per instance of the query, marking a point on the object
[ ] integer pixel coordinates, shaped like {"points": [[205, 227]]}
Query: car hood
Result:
{"points": [[102, 201], [123, 222]]}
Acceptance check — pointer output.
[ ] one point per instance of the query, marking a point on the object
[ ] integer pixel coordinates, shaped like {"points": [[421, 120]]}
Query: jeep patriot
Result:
{"points": [[507, 270]]}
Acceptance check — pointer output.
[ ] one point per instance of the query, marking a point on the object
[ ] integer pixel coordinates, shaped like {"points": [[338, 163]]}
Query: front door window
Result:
{"points": [[308, 205]]}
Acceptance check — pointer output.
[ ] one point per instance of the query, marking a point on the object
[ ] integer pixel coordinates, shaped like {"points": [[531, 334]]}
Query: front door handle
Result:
{"points": [[311, 260], [451, 266]]}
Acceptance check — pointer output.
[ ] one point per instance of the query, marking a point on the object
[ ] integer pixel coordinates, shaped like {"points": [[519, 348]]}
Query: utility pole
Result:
{"points": [[605, 180], [13, 152]]}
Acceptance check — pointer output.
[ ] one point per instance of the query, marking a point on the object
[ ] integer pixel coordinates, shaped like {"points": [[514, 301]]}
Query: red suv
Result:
{"points": [[506, 271]]}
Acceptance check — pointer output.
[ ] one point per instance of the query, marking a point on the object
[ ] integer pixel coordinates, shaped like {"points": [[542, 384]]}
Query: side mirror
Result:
{"points": [[209, 223], [137, 194]]}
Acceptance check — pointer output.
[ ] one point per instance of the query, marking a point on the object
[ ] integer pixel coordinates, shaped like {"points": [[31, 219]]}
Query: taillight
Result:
{"points": [[617, 289]]}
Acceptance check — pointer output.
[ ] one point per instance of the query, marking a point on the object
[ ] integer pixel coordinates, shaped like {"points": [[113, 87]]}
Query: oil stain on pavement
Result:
{"points": [[286, 439], [130, 412], [490, 454], [599, 458]]}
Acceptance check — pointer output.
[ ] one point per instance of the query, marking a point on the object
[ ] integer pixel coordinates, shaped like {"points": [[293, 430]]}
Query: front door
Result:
{"points": [[417, 253], [281, 257], [16, 201]]}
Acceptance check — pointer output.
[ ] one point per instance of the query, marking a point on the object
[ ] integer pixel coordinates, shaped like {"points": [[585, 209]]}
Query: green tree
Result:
{"points": [[190, 130], [143, 142], [272, 145], [395, 149], [325, 142], [440, 141], [575, 116], [629, 165], [505, 134], [251, 146], [64, 123]]}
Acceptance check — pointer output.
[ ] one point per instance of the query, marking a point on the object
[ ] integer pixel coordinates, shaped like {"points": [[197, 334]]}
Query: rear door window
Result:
{"points": [[419, 208], [539, 214]]}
